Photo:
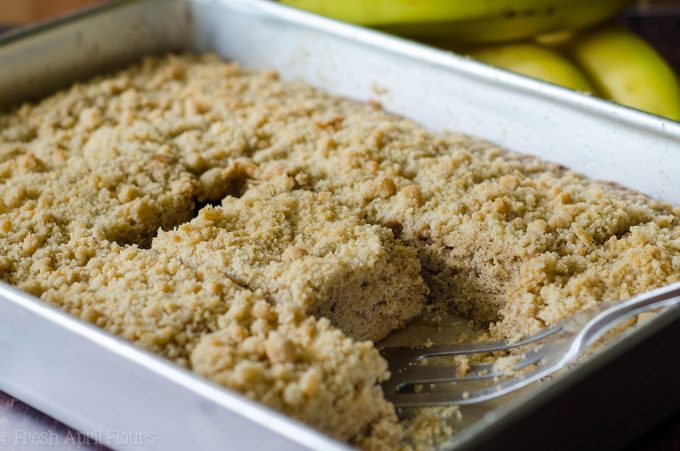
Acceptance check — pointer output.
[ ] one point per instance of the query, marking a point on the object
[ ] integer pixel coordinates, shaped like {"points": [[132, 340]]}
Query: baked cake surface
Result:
{"points": [[255, 231], [303, 248]]}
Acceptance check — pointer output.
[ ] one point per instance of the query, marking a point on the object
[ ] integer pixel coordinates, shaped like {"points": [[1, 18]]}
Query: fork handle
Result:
{"points": [[610, 317]]}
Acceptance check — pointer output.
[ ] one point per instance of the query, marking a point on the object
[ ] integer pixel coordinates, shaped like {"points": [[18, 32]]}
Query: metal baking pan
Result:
{"points": [[127, 398]]}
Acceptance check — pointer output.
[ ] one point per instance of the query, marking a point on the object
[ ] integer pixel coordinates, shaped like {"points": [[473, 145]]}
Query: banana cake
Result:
{"points": [[201, 319], [301, 247], [264, 234]]}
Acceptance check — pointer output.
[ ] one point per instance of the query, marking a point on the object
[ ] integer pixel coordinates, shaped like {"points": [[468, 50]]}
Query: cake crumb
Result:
{"points": [[264, 234], [431, 427]]}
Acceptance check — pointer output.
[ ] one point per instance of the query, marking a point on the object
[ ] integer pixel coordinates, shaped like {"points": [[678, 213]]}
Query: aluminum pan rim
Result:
{"points": [[540, 393]]}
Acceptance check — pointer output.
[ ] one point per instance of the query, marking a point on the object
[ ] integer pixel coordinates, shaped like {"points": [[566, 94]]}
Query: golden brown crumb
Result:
{"points": [[327, 208], [430, 427], [302, 248]]}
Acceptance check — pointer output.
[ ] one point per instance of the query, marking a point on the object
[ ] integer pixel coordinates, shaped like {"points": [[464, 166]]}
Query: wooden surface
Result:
{"points": [[14, 12], [24, 428]]}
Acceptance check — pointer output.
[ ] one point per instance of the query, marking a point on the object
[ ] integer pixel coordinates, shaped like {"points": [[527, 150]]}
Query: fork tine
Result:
{"points": [[461, 395], [424, 374], [426, 399], [466, 392], [486, 369], [414, 354]]}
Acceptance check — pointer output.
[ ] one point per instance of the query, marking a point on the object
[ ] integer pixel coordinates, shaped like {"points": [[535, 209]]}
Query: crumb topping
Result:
{"points": [[258, 231]]}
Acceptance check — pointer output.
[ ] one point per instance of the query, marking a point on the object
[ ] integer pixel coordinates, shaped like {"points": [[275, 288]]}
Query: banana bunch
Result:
{"points": [[612, 63], [550, 40], [467, 21]]}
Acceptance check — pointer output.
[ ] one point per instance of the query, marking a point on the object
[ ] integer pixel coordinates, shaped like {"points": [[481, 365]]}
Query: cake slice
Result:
{"points": [[302, 248], [301, 366], [202, 320]]}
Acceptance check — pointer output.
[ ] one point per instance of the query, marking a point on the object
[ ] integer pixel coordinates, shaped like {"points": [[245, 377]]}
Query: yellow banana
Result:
{"points": [[537, 62], [390, 12], [614, 63], [517, 25], [627, 70], [467, 21]]}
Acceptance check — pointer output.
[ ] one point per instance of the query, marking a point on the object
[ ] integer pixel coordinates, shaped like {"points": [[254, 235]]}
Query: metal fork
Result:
{"points": [[550, 350]]}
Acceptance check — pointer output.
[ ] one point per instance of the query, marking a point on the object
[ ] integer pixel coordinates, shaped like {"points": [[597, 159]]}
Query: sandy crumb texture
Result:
{"points": [[261, 232]]}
